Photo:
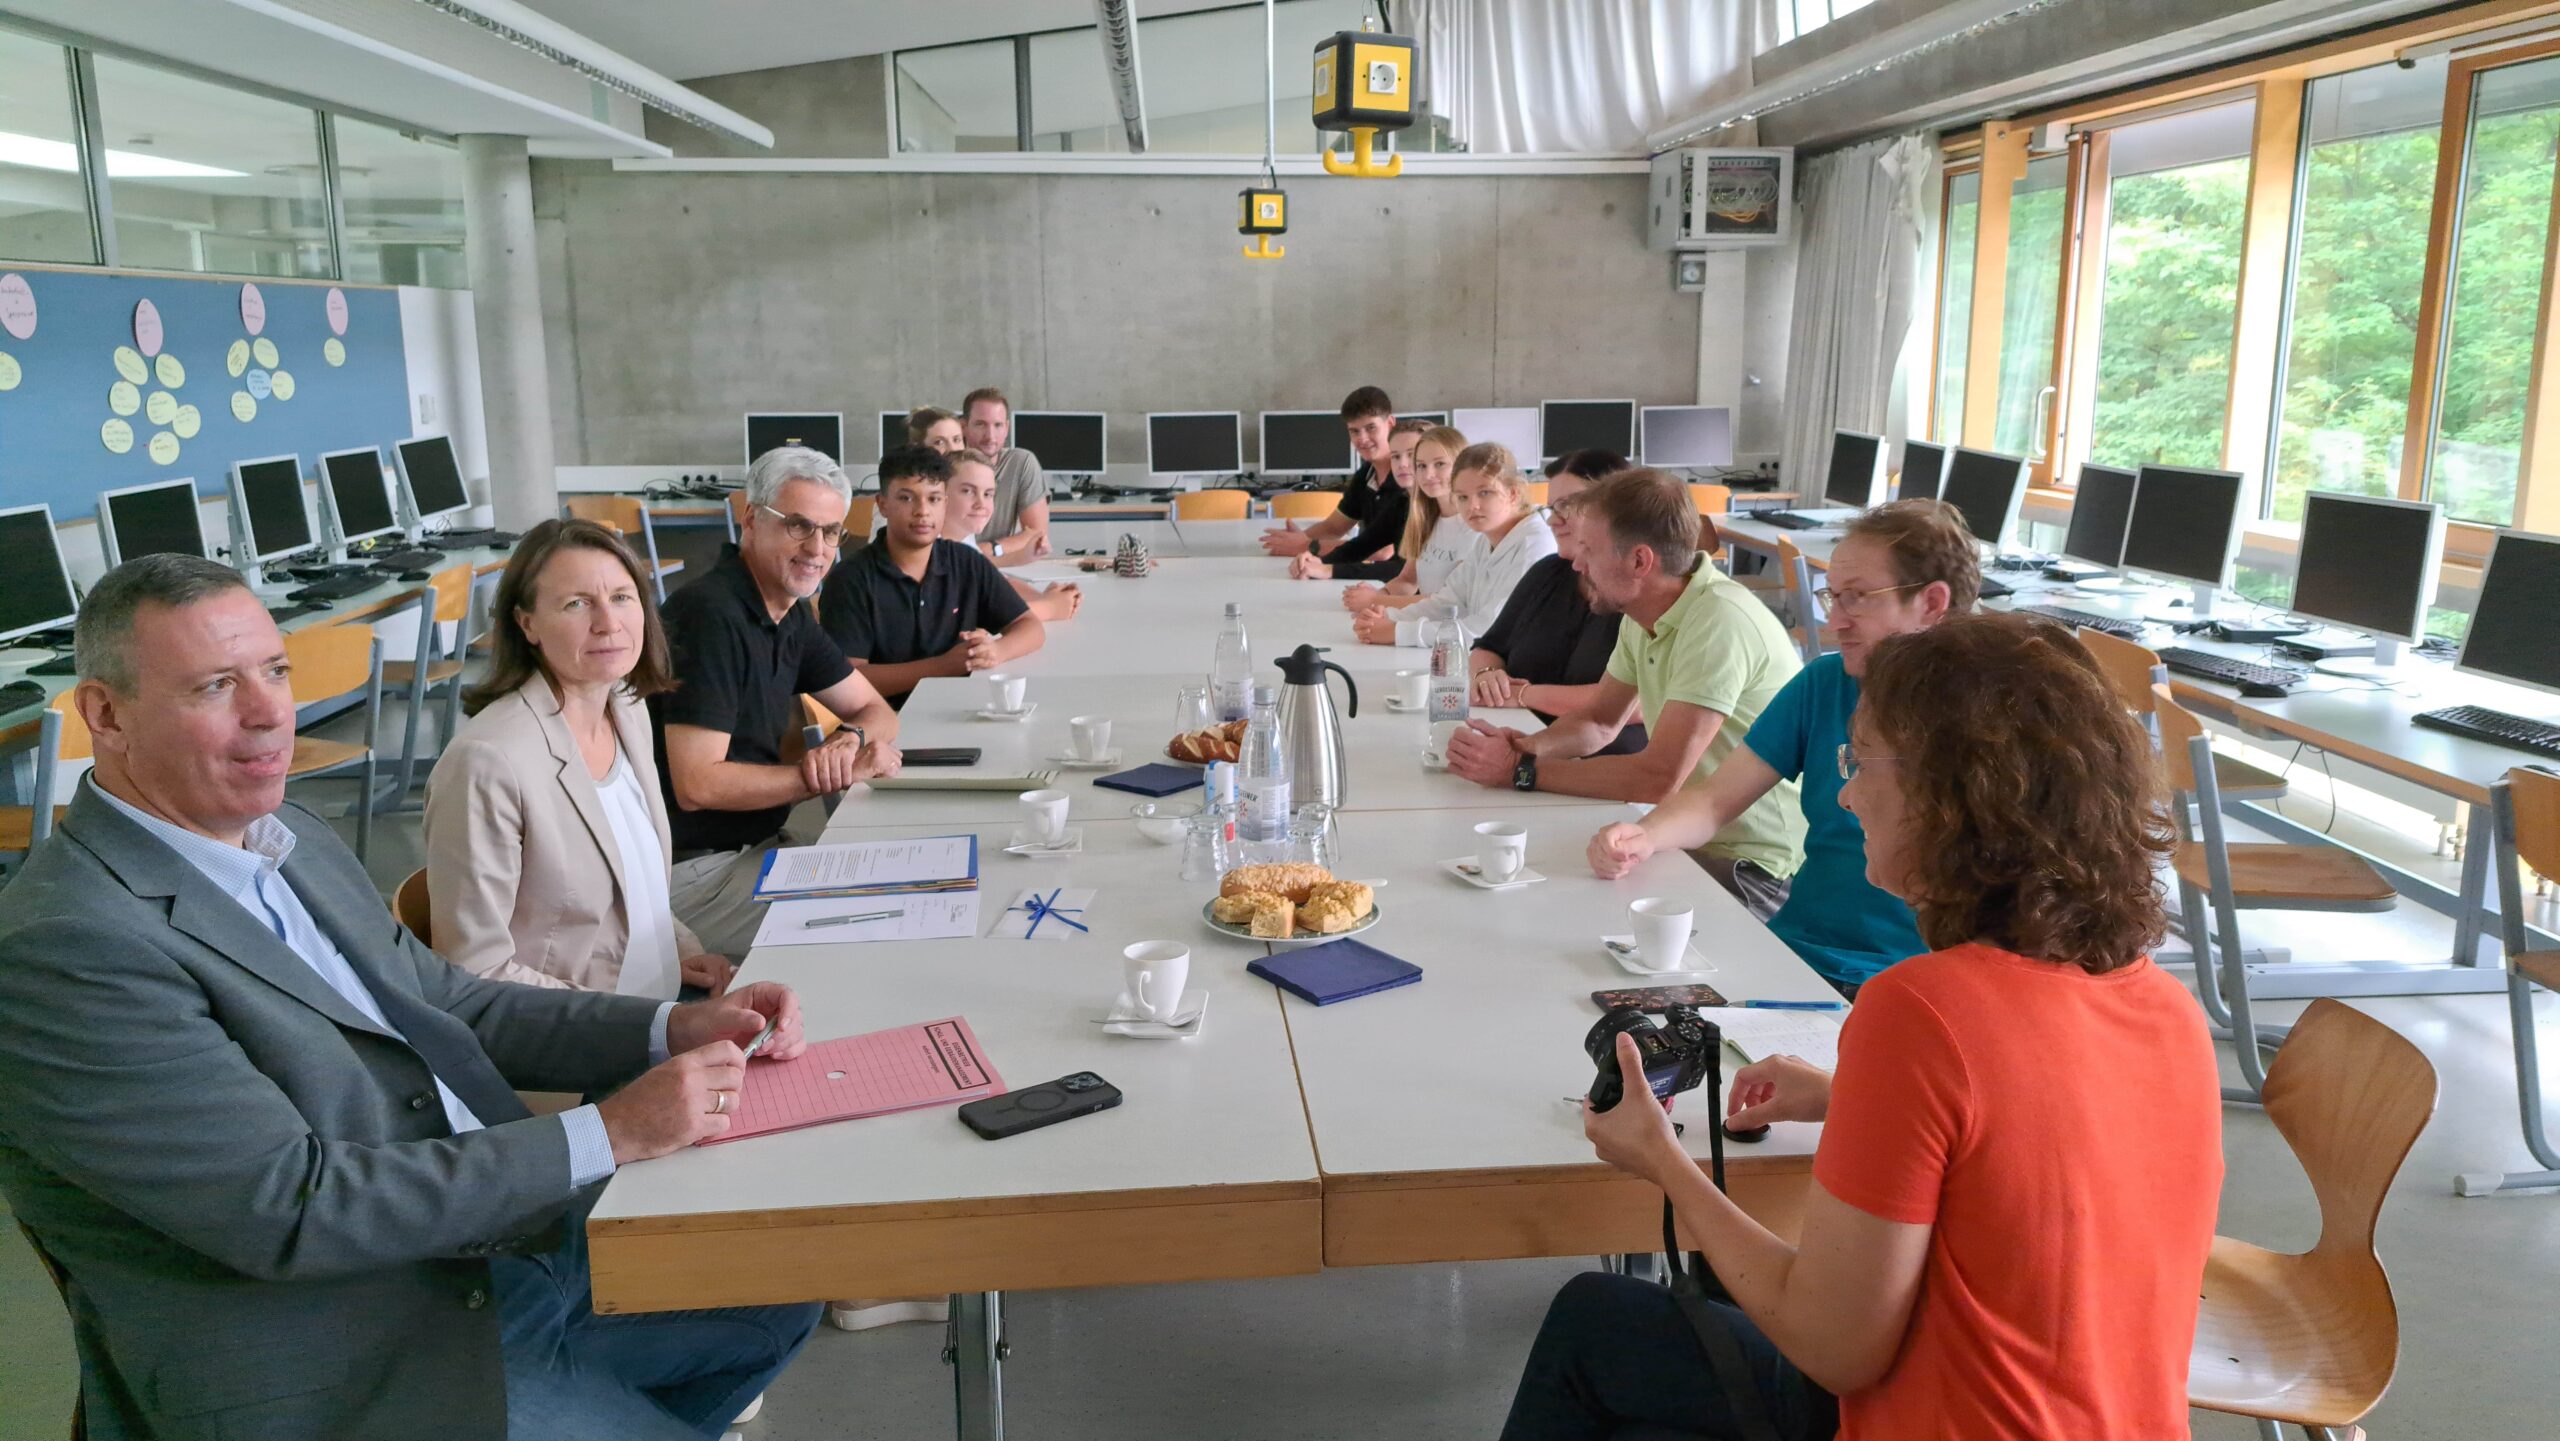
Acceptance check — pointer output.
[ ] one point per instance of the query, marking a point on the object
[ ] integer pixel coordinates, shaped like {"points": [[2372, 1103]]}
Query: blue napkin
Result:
{"points": [[1335, 971]]}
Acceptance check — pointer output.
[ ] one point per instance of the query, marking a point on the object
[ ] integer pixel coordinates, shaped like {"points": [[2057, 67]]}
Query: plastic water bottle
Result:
{"points": [[1263, 829], [1231, 668], [1219, 781], [1449, 643]]}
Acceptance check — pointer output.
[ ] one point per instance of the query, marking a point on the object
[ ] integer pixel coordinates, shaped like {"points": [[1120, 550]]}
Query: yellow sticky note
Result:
{"points": [[117, 435], [164, 448], [265, 350], [236, 359], [171, 373], [244, 406], [280, 385], [123, 399], [130, 364], [334, 350], [10, 375], [160, 406], [187, 422]]}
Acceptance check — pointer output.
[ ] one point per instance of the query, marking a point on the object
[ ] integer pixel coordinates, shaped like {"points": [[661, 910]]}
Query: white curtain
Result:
{"points": [[1862, 214], [1566, 77]]}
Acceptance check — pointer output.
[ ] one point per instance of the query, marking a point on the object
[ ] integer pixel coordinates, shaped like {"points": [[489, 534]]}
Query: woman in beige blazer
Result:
{"points": [[547, 843]]}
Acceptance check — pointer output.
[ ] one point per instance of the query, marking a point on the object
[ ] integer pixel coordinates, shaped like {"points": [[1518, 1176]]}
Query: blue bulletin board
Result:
{"points": [[111, 379]]}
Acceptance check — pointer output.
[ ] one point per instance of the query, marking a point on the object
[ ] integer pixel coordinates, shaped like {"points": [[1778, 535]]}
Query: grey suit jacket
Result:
{"points": [[268, 1227]]}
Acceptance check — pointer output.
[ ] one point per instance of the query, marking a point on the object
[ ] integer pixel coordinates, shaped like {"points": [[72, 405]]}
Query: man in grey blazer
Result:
{"points": [[273, 1142]]}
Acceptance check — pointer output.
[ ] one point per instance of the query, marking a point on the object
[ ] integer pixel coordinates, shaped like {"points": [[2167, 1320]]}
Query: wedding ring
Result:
{"points": [[719, 1103]]}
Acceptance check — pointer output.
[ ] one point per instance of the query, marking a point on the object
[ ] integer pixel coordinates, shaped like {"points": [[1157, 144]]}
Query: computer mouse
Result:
{"points": [[416, 575], [2261, 690]]}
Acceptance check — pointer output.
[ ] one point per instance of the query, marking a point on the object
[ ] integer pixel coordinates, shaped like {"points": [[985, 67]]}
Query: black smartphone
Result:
{"points": [[940, 756], [1045, 1104]]}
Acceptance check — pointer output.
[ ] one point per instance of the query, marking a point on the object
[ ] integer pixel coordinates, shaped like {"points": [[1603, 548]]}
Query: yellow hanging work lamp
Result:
{"points": [[1265, 214], [1364, 84]]}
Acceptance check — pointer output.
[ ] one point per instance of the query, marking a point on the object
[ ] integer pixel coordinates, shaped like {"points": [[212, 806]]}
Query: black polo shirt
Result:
{"points": [[1548, 635], [741, 672], [1381, 526], [876, 613], [1358, 491]]}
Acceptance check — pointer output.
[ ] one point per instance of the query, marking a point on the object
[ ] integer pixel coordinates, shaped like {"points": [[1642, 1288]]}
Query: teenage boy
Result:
{"points": [[911, 605], [1370, 417]]}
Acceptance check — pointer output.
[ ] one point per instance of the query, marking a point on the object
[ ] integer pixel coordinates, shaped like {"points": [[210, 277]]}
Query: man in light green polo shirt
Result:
{"points": [[1698, 658]]}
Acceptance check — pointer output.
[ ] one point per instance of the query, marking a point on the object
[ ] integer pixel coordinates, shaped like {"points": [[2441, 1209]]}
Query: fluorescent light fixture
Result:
{"points": [[40, 154]]}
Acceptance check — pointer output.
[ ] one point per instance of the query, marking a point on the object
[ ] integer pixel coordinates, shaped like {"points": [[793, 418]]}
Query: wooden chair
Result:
{"points": [[860, 519], [2525, 805], [1712, 499], [409, 906], [62, 1289], [2231, 877], [626, 515], [2134, 670], [736, 511], [330, 661], [444, 600], [1536, 490], [2313, 1339], [1212, 505], [62, 737], [1305, 504]]}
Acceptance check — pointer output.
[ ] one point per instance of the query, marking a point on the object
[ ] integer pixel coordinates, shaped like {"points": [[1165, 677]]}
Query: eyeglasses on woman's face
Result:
{"points": [[1851, 762]]}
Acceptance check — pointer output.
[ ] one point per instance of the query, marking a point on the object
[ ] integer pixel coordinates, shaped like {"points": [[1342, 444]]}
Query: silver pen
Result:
{"points": [[761, 1037], [849, 920]]}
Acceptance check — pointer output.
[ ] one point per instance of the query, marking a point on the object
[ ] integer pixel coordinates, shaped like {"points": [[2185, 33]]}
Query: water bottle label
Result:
{"points": [[1448, 702], [1266, 810], [1234, 699]]}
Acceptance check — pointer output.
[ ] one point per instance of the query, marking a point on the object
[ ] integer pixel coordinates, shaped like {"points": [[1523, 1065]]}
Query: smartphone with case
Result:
{"points": [[940, 756], [1046, 1104]]}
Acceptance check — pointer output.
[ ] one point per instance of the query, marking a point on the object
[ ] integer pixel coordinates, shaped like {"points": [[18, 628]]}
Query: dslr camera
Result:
{"points": [[1677, 1052]]}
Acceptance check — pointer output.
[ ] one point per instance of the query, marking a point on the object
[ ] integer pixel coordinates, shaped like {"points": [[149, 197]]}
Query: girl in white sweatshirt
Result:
{"points": [[1489, 495]]}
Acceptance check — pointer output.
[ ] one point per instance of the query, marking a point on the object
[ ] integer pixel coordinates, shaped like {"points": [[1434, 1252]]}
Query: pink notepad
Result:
{"points": [[937, 1063]]}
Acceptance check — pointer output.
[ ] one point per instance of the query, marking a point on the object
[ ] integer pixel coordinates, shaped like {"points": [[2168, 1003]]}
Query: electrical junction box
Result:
{"points": [[1722, 198]]}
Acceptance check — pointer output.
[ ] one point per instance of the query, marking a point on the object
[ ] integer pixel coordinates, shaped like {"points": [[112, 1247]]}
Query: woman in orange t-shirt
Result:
{"points": [[2022, 1153]]}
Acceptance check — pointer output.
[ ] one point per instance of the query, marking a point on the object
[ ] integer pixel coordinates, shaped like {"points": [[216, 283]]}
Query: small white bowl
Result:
{"points": [[1161, 824]]}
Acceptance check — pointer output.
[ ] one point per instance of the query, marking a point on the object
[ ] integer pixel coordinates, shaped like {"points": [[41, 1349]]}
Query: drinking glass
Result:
{"points": [[1203, 857], [1191, 709], [1313, 837]]}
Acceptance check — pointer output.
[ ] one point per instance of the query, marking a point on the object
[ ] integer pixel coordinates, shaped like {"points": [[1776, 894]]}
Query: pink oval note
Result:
{"points": [[146, 327], [336, 305], [17, 306], [253, 310]]}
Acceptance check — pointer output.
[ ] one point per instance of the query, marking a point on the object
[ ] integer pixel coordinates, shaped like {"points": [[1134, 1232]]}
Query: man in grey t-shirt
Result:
{"points": [[1018, 532]]}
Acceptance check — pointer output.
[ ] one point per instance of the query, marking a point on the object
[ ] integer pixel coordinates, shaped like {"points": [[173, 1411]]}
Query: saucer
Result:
{"points": [[1458, 867], [1628, 961], [1102, 762], [990, 713], [1018, 845], [1397, 705], [1124, 1018]]}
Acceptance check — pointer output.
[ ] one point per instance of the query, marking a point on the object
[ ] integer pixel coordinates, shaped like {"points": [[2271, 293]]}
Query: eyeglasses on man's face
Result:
{"points": [[800, 528], [1854, 600]]}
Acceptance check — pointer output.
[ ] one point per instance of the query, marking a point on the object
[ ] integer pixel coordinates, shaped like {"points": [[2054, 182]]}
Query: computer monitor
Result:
{"points": [[35, 586], [1856, 477], [893, 433], [821, 431], [2369, 563], [430, 479], [2512, 637], [2185, 526], [268, 518], [1070, 442], [2099, 509], [352, 491], [1514, 426], [156, 519], [1196, 442], [1685, 437], [1565, 426], [1924, 470], [1305, 442], [1986, 488]]}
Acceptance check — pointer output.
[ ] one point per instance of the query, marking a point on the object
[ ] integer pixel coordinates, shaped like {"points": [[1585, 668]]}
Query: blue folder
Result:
{"points": [[1335, 971]]}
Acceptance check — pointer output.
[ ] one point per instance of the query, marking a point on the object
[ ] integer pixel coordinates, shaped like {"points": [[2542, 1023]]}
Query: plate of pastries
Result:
{"points": [[1215, 743], [1289, 905]]}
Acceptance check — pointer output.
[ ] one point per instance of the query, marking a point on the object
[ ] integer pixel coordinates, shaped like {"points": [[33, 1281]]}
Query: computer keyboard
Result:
{"points": [[471, 539], [19, 694], [2204, 665], [1791, 520], [1993, 590], [336, 587], [282, 613], [405, 559], [62, 664], [2496, 727], [2086, 620]]}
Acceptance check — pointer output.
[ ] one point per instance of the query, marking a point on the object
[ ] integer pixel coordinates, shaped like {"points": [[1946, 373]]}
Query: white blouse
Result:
{"points": [[650, 965], [1483, 581], [1442, 550]]}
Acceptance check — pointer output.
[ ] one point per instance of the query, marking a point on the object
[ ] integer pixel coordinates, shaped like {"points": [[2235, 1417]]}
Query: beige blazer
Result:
{"points": [[524, 879]]}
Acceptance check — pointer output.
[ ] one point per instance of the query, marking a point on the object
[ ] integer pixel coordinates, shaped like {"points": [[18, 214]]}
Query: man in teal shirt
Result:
{"points": [[1901, 568]]}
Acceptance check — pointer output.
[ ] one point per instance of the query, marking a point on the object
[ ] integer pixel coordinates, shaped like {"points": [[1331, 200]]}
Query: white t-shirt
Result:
{"points": [[650, 966], [1482, 582], [1446, 545]]}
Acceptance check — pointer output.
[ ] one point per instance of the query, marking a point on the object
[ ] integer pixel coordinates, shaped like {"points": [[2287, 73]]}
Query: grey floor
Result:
{"points": [[1427, 1352]]}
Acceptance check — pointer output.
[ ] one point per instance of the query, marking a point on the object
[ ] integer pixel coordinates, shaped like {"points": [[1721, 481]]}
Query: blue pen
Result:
{"points": [[1793, 1005]]}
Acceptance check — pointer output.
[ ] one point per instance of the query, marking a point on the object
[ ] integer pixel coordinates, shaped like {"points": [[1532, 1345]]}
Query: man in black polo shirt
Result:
{"points": [[912, 605], [745, 650], [1369, 416]]}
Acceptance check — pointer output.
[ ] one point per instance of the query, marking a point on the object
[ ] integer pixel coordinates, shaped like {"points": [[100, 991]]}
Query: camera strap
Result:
{"points": [[1694, 1284]]}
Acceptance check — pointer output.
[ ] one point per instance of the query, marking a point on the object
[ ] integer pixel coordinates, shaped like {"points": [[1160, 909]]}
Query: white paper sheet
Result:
{"points": [[1813, 1035], [915, 861], [1066, 904], [941, 916]]}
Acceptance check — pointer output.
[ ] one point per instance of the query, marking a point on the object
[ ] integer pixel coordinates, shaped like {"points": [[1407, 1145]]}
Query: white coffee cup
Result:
{"points": [[1502, 849], [1413, 688], [1156, 972], [1661, 929], [1091, 736], [1004, 691], [1044, 817]]}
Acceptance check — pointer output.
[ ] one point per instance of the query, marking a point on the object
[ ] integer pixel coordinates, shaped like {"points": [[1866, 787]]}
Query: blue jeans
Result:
{"points": [[1616, 1360], [573, 1375]]}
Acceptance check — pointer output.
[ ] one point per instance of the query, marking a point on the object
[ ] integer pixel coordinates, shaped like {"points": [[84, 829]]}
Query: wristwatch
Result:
{"points": [[1524, 775], [996, 548]]}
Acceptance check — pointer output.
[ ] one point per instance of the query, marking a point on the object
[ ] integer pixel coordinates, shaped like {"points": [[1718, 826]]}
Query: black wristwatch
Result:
{"points": [[1524, 775]]}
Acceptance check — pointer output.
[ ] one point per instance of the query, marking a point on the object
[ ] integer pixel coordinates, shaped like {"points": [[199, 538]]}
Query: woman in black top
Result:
{"points": [[1547, 651]]}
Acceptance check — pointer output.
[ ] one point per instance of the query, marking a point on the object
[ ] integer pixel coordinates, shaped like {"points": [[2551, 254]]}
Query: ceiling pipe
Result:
{"points": [[557, 43], [1118, 20]]}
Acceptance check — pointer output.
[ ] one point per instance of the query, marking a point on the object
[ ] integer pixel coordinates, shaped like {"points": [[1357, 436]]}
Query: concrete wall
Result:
{"points": [[675, 302], [834, 107]]}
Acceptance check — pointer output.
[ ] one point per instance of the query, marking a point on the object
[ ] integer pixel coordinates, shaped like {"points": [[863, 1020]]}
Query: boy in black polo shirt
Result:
{"points": [[911, 605], [1368, 415]]}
